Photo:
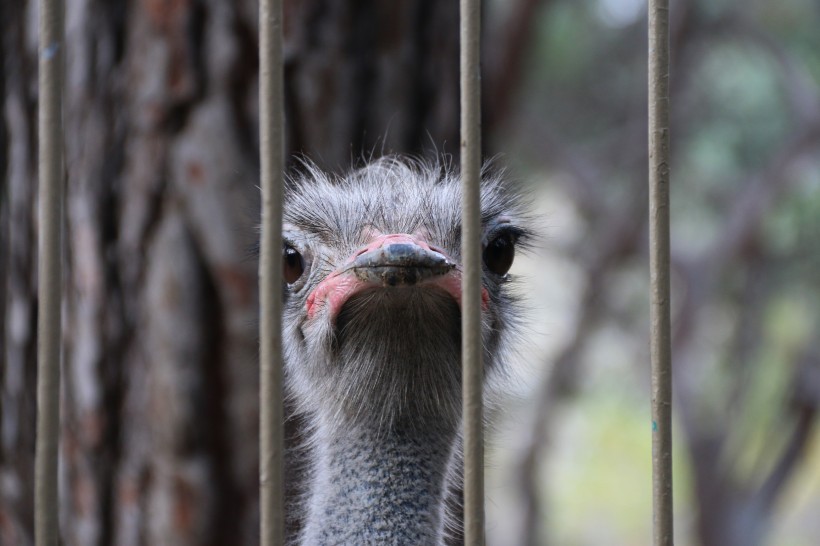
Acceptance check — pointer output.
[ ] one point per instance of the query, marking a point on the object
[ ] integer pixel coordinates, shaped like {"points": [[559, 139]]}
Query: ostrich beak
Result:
{"points": [[395, 260], [400, 264]]}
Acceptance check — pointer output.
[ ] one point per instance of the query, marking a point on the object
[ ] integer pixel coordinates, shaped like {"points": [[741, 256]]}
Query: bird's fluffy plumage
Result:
{"points": [[380, 383]]}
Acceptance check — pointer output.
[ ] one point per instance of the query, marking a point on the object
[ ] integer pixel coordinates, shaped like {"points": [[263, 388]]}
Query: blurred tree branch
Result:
{"points": [[506, 59]]}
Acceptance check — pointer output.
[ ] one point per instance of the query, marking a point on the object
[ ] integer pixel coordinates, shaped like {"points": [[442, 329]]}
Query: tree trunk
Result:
{"points": [[160, 404]]}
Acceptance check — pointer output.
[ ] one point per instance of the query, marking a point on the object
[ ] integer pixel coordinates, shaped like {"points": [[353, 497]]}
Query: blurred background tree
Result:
{"points": [[160, 379], [746, 181]]}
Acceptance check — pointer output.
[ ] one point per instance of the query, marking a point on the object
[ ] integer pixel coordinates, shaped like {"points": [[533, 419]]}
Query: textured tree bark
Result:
{"points": [[160, 404], [368, 77]]}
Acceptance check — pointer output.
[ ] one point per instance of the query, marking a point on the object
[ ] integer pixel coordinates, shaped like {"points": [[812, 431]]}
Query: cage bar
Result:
{"points": [[49, 330], [660, 344], [271, 138], [472, 369]]}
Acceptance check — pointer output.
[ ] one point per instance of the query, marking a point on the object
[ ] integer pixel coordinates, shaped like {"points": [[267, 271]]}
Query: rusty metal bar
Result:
{"points": [[49, 330], [271, 133], [660, 344], [472, 368]]}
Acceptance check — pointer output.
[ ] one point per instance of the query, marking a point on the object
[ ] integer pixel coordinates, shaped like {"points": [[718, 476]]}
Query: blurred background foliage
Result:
{"points": [[745, 217]]}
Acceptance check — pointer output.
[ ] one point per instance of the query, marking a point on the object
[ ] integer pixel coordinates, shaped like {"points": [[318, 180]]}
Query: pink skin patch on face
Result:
{"points": [[341, 285]]}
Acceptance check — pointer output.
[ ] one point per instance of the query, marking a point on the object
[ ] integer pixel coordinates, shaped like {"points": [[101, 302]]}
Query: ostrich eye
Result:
{"points": [[293, 265], [500, 253]]}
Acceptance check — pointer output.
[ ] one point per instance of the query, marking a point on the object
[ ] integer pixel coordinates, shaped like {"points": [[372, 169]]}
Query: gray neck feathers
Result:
{"points": [[374, 487], [386, 430]]}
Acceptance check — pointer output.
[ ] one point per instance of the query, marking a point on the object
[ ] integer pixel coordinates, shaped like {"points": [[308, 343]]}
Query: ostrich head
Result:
{"points": [[372, 328]]}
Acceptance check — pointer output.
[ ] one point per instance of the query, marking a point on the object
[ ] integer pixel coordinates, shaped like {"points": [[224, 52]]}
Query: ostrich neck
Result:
{"points": [[379, 487]]}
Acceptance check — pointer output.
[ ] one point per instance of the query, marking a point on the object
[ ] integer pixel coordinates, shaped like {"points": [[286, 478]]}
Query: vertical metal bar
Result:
{"points": [[471, 347], [271, 132], [49, 331], [660, 344]]}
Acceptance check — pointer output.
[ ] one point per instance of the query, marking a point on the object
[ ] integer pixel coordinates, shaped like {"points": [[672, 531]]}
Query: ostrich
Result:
{"points": [[372, 344]]}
